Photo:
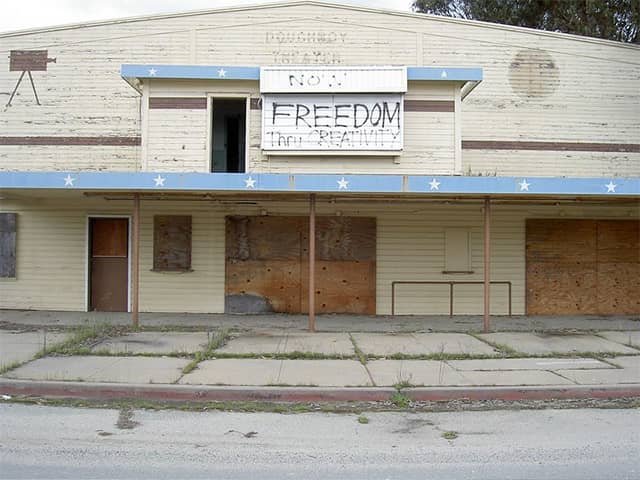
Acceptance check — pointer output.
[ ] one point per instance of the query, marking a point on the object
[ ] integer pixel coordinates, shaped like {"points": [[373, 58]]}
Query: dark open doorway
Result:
{"points": [[228, 135]]}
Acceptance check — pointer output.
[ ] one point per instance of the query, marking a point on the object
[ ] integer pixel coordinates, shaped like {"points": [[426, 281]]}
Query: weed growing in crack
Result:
{"points": [[400, 400]]}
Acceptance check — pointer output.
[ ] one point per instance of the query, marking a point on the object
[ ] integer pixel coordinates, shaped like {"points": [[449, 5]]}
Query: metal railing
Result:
{"points": [[451, 284]]}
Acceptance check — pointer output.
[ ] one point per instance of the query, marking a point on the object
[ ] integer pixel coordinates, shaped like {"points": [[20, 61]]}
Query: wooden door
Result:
{"points": [[108, 264]]}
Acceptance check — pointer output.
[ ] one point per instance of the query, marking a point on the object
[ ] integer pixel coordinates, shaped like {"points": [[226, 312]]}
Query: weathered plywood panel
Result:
{"points": [[618, 241], [172, 242], [267, 257], [8, 230], [583, 267], [561, 241], [563, 288]]}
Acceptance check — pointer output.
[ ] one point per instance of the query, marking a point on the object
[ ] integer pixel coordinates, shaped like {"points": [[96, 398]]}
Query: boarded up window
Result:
{"points": [[457, 250], [8, 245], [172, 243]]}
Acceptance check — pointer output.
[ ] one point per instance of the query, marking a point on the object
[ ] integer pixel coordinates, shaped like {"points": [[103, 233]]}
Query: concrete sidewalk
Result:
{"points": [[329, 322], [348, 361]]}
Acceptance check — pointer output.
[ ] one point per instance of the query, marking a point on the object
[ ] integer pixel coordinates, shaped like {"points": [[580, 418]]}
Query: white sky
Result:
{"points": [[23, 14]]}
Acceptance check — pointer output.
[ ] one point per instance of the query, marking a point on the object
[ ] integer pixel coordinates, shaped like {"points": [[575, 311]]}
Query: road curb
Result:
{"points": [[210, 393]]}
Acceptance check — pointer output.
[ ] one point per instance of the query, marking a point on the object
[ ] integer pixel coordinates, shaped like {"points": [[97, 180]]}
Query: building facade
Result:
{"points": [[191, 162]]}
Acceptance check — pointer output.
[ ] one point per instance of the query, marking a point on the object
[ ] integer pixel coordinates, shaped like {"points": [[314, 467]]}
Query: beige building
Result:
{"points": [[190, 162]]}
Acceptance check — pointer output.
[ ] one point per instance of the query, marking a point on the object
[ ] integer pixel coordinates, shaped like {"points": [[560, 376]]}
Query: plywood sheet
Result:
{"points": [[561, 288], [268, 257], [583, 267], [618, 241], [172, 242], [619, 288], [561, 241]]}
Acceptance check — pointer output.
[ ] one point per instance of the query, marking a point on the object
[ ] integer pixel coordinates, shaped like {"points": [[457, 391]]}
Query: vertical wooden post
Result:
{"points": [[135, 260], [312, 262], [487, 264]]}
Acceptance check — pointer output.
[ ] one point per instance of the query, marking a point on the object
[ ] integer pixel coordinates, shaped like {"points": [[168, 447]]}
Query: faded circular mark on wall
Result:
{"points": [[533, 74]]}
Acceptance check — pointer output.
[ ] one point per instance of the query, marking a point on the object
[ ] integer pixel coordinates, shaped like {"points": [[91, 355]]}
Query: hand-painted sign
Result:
{"points": [[351, 122], [333, 79]]}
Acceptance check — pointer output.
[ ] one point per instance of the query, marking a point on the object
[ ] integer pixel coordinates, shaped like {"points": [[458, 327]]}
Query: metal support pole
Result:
{"points": [[312, 262], [135, 260], [487, 264]]}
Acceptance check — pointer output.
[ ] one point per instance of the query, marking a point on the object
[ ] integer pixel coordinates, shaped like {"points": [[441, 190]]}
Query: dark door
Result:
{"points": [[108, 264]]}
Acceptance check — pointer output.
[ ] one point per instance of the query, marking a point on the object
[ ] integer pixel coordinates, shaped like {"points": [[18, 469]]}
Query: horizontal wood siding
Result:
{"points": [[51, 251], [537, 87]]}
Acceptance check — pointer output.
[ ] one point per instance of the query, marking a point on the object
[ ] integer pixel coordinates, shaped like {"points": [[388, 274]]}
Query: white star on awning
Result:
{"points": [[68, 181], [434, 185], [152, 72], [159, 181], [343, 184], [611, 187], [250, 183], [524, 186], [222, 73]]}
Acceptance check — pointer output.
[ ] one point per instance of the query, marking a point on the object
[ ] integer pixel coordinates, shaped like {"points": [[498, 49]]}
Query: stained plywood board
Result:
{"points": [[268, 257], [561, 241], [8, 228], [618, 241], [582, 267], [172, 242], [619, 288]]}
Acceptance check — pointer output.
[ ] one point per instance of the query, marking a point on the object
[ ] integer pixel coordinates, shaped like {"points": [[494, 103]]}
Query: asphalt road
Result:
{"points": [[60, 442]]}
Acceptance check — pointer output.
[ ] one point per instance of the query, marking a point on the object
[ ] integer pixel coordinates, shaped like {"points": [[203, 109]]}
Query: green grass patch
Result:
{"points": [[400, 400], [216, 340], [10, 366], [449, 435], [360, 355], [83, 338], [296, 355], [363, 419]]}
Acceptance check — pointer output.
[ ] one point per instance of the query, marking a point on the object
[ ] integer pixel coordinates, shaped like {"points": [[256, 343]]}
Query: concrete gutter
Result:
{"points": [[206, 393]]}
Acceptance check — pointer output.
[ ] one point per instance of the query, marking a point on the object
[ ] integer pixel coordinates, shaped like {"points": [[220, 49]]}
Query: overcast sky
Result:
{"points": [[22, 14]]}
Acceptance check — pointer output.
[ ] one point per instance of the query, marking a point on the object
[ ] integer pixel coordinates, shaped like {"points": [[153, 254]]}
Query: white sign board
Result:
{"points": [[349, 122], [333, 79]]}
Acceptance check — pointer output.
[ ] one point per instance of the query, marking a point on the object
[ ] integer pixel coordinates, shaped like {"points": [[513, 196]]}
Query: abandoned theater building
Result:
{"points": [[313, 157]]}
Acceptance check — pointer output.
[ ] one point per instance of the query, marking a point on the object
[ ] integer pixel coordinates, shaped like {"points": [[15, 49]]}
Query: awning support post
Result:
{"points": [[312, 262], [487, 265], [135, 261]]}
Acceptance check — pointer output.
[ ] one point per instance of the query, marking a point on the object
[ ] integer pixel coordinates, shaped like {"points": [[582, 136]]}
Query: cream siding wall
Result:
{"points": [[178, 139], [52, 251], [590, 95]]}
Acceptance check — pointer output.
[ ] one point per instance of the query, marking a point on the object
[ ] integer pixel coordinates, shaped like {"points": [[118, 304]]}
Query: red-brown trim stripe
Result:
{"points": [[178, 103], [429, 106], [550, 146], [74, 141]]}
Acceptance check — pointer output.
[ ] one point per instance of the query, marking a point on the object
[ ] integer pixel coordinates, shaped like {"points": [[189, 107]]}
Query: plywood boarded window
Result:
{"points": [[8, 223], [457, 250], [172, 243]]}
